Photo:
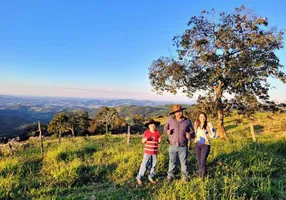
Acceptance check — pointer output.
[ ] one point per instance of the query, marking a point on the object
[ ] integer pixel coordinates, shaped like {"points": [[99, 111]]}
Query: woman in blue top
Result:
{"points": [[204, 130]]}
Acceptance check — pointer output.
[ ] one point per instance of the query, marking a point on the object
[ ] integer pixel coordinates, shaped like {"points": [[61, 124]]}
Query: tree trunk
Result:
{"points": [[252, 131], [60, 135], [218, 94], [72, 132], [106, 128], [220, 129]]}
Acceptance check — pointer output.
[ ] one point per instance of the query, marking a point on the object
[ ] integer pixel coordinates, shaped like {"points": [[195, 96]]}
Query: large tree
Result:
{"points": [[229, 53]]}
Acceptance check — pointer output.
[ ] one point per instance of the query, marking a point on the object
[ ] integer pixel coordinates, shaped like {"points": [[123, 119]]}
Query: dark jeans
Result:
{"points": [[202, 152]]}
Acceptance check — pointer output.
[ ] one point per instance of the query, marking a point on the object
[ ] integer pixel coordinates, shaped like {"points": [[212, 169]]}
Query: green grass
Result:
{"points": [[104, 167]]}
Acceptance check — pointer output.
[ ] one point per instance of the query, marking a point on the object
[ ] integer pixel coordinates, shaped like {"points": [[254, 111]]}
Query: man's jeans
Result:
{"points": [[182, 153], [153, 161]]}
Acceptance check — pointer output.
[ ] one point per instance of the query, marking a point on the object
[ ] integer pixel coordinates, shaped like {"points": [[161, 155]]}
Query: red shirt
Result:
{"points": [[151, 145]]}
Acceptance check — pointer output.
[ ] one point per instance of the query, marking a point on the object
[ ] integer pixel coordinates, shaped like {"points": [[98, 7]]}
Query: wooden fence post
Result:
{"points": [[10, 148], [41, 138], [252, 131], [128, 135]]}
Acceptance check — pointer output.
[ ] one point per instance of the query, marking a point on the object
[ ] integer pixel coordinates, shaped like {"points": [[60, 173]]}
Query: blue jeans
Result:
{"points": [[153, 161], [202, 152], [182, 153]]}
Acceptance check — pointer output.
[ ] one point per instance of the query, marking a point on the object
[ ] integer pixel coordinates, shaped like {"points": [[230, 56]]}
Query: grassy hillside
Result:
{"points": [[152, 111], [11, 119], [104, 167]]}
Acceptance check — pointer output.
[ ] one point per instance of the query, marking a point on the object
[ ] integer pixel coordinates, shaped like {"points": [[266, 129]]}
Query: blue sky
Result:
{"points": [[101, 48]]}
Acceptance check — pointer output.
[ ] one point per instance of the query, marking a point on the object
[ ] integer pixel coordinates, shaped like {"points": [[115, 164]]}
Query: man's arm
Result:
{"points": [[159, 139], [166, 128], [191, 127], [191, 130]]}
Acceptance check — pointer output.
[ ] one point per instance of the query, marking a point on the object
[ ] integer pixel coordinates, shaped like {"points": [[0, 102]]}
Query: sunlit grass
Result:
{"points": [[104, 167]]}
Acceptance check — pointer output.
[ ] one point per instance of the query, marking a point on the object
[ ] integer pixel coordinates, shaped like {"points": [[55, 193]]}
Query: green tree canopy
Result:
{"points": [[229, 53], [136, 123], [109, 118], [32, 129], [76, 122]]}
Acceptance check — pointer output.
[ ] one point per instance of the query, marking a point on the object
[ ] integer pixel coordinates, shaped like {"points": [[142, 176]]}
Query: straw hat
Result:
{"points": [[177, 108]]}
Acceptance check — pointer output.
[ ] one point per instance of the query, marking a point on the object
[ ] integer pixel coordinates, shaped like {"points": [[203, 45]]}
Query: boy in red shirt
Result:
{"points": [[151, 139]]}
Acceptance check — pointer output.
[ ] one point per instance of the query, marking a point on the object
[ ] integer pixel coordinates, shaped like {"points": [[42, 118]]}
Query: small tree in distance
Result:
{"points": [[76, 122], [108, 118]]}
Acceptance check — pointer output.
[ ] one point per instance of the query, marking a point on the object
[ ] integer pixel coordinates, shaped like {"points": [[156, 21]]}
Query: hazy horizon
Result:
{"points": [[190, 102]]}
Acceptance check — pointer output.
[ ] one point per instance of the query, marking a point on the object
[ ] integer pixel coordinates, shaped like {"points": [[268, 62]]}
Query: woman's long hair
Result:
{"points": [[198, 122]]}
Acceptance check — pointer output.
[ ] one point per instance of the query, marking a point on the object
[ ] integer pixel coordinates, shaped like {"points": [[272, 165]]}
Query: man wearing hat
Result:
{"points": [[179, 129]]}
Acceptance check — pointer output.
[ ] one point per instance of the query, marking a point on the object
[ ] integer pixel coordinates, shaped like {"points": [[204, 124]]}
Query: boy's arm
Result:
{"points": [[144, 139]]}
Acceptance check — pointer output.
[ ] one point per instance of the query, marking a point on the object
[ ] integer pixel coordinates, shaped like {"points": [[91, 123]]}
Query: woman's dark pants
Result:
{"points": [[202, 152]]}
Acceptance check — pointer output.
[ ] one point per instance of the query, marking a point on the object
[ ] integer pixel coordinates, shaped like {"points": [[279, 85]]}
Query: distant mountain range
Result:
{"points": [[6, 100], [18, 110]]}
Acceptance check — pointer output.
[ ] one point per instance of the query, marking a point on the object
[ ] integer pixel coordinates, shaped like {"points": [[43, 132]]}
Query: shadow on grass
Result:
{"points": [[94, 174], [258, 128], [107, 140], [32, 166], [105, 191], [84, 153], [259, 166], [25, 176], [229, 127], [94, 182]]}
